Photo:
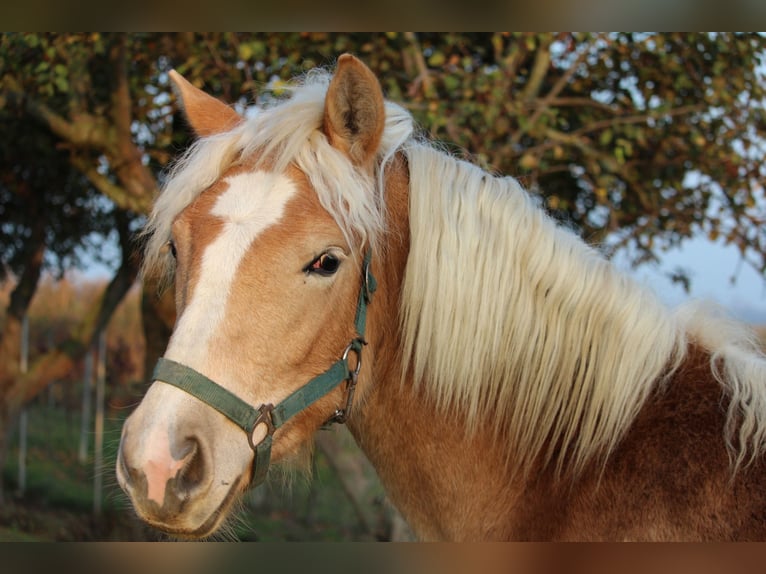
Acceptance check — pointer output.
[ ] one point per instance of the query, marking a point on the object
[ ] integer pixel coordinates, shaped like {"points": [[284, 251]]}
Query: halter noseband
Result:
{"points": [[249, 418]]}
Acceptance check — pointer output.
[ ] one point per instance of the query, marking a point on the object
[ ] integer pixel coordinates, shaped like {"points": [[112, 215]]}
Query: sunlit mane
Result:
{"points": [[515, 322], [288, 131]]}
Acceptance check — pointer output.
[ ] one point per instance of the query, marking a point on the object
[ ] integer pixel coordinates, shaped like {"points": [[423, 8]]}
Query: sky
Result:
{"points": [[715, 274]]}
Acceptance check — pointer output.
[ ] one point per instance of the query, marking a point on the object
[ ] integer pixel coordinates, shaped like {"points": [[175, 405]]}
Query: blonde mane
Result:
{"points": [[506, 318], [512, 321]]}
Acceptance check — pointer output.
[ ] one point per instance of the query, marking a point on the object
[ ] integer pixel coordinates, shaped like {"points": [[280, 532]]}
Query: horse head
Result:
{"points": [[267, 286]]}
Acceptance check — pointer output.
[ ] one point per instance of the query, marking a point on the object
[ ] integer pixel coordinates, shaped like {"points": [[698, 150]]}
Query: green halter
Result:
{"points": [[247, 417]]}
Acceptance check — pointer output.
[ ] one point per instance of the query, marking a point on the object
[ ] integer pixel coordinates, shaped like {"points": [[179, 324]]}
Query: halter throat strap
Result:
{"points": [[249, 418]]}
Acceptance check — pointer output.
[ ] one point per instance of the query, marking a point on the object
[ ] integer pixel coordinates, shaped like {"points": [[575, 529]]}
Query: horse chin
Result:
{"points": [[194, 522]]}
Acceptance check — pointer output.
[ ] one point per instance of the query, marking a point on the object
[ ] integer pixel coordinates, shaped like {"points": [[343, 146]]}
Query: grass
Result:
{"points": [[58, 500], [55, 477], [57, 503], [15, 535]]}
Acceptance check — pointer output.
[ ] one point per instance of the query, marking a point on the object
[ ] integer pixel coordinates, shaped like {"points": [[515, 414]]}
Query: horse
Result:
{"points": [[504, 378]]}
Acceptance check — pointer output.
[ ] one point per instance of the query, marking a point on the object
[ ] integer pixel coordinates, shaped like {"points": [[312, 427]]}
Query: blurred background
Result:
{"points": [[650, 146]]}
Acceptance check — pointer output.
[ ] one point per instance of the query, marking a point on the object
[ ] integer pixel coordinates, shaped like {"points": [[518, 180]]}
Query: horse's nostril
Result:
{"points": [[192, 474]]}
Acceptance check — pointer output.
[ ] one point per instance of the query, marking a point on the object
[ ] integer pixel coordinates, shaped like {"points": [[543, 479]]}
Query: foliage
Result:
{"points": [[38, 184], [638, 140], [606, 127]]}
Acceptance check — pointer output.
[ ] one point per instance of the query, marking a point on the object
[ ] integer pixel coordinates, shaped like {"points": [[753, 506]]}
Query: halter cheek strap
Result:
{"points": [[273, 417]]}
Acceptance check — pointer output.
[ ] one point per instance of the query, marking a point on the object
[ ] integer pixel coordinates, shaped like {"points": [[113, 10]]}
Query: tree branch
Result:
{"points": [[114, 139], [87, 131], [638, 118], [545, 103], [118, 194], [122, 280], [582, 103], [120, 96], [539, 70], [137, 180], [424, 75], [577, 137]]}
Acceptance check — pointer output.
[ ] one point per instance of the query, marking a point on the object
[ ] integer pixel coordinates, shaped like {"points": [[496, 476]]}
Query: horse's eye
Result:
{"points": [[172, 247], [325, 265]]}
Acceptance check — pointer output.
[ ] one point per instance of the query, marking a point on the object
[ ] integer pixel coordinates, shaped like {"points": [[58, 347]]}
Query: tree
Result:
{"points": [[52, 198], [638, 140]]}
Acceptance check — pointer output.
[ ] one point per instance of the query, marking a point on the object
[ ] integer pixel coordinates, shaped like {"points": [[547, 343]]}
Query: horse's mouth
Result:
{"points": [[207, 528]]}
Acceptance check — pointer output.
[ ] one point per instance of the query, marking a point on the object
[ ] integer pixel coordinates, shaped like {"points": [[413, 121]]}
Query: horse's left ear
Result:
{"points": [[354, 112], [206, 114]]}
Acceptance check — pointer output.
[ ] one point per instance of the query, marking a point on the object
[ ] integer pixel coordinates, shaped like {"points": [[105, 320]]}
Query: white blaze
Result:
{"points": [[253, 202]]}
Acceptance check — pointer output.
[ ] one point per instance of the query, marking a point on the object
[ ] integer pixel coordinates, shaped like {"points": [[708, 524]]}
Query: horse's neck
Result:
{"points": [[422, 456], [446, 486]]}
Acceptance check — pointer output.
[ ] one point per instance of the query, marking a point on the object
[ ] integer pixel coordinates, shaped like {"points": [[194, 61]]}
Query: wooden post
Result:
{"points": [[24, 360], [87, 383], [52, 385], [98, 447], [23, 367]]}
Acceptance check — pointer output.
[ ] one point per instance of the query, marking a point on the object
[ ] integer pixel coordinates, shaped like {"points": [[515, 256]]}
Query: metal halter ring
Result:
{"points": [[341, 415], [356, 346]]}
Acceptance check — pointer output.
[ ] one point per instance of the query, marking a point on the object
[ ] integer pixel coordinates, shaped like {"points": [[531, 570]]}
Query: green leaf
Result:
{"points": [[452, 83], [436, 59], [245, 51], [62, 84]]}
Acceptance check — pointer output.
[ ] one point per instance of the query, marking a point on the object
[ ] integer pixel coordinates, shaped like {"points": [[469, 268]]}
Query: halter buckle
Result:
{"points": [[264, 417]]}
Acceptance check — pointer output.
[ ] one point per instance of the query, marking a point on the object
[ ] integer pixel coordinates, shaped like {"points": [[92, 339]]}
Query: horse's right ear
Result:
{"points": [[354, 111], [206, 114]]}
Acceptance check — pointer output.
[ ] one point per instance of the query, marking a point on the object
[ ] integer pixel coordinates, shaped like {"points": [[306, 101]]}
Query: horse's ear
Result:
{"points": [[206, 114], [354, 112]]}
